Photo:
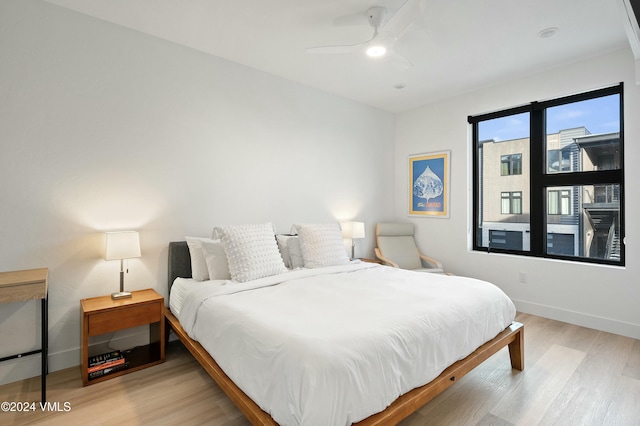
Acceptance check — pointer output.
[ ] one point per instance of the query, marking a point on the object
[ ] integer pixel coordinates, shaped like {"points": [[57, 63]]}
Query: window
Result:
{"points": [[511, 164], [512, 202], [564, 195], [558, 201], [559, 160]]}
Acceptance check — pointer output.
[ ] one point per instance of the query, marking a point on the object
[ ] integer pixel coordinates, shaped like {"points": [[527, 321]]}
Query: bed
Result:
{"points": [[366, 391]]}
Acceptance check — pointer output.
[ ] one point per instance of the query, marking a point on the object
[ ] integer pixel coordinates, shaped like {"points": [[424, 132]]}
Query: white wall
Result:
{"points": [[103, 128], [601, 297]]}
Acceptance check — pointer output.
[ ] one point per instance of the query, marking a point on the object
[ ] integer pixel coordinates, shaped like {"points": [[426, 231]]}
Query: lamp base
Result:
{"points": [[120, 295]]}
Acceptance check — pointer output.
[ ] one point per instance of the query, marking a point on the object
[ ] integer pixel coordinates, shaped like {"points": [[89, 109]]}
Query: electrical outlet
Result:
{"points": [[523, 277]]}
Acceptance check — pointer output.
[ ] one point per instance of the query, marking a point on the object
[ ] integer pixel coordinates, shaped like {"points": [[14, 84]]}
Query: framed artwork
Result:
{"points": [[429, 184]]}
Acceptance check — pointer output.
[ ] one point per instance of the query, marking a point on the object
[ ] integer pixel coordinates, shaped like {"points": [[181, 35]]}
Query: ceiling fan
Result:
{"points": [[385, 33]]}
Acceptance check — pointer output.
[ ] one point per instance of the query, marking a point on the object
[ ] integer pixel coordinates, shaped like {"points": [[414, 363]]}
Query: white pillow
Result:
{"points": [[216, 259], [199, 271], [321, 245], [252, 251], [284, 249], [295, 253], [289, 246]]}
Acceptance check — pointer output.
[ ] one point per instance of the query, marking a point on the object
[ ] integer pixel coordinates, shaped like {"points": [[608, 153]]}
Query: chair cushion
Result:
{"points": [[401, 249], [394, 229]]}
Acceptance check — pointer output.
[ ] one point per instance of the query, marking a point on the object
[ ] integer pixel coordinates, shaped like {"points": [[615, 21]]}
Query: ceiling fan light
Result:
{"points": [[376, 51]]}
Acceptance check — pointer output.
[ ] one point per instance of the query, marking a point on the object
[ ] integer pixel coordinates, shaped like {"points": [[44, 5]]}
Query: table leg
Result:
{"points": [[45, 347]]}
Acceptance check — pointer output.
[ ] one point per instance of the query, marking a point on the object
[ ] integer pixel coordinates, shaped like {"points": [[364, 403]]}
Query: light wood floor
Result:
{"points": [[573, 376]]}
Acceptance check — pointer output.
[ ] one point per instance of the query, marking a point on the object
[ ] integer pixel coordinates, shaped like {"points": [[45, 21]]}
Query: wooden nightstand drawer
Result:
{"points": [[107, 322]]}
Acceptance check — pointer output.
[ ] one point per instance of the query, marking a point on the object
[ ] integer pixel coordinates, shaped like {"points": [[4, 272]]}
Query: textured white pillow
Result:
{"points": [[199, 271], [251, 250], [295, 253], [284, 249], [321, 245], [216, 259], [289, 246]]}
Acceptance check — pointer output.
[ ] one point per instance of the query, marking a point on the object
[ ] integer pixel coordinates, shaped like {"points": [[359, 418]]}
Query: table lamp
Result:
{"points": [[122, 245], [352, 230]]}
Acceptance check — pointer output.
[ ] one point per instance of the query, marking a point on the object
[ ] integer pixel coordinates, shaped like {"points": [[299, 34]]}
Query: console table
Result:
{"points": [[21, 286]]}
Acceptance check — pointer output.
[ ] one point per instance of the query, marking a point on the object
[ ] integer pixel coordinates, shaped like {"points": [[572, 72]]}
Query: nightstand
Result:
{"points": [[101, 315]]}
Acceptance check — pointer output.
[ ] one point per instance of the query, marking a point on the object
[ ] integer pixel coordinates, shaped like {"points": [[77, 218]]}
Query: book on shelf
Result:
{"points": [[108, 370], [104, 358], [108, 364]]}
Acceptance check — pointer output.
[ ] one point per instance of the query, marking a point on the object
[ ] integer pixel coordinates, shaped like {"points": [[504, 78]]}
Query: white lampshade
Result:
{"points": [[352, 230], [122, 245]]}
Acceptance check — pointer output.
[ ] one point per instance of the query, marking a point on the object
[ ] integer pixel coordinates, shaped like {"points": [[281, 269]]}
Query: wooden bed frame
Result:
{"points": [[404, 406]]}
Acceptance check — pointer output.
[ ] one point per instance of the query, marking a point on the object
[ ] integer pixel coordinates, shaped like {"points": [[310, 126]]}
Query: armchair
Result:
{"points": [[396, 247]]}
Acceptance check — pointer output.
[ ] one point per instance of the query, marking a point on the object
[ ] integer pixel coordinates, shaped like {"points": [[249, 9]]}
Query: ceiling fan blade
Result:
{"points": [[337, 49], [399, 60], [403, 18], [421, 18]]}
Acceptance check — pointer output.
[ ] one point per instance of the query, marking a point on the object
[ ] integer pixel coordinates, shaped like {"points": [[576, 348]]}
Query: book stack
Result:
{"points": [[107, 363]]}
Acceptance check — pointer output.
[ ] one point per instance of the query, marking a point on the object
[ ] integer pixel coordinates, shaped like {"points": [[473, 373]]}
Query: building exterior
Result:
{"points": [[581, 220]]}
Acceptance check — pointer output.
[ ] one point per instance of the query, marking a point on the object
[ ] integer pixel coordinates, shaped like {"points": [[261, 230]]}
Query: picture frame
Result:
{"points": [[429, 184]]}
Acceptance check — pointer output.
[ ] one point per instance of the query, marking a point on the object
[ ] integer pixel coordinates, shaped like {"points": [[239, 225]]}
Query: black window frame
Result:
{"points": [[541, 179]]}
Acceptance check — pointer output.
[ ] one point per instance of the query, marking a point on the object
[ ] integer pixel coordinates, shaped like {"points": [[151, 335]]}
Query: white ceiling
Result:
{"points": [[461, 45]]}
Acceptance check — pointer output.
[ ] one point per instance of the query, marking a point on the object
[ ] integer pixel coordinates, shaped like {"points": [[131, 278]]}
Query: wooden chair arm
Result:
{"points": [[431, 262], [384, 259]]}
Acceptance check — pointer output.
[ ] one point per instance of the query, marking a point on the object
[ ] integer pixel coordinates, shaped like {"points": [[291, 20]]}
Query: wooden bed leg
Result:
{"points": [[516, 350]]}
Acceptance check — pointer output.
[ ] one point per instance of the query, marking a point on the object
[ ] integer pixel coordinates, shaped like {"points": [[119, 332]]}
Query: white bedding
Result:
{"points": [[179, 289], [182, 286], [331, 346]]}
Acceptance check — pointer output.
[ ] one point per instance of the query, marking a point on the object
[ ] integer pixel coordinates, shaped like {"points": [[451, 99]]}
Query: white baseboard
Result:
{"points": [[579, 318], [30, 366]]}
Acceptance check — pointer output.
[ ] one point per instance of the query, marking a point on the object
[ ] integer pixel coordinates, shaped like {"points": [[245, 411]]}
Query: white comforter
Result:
{"points": [[332, 346]]}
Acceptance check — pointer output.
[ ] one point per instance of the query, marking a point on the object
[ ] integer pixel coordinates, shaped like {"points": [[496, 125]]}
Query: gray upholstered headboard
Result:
{"points": [[179, 261]]}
